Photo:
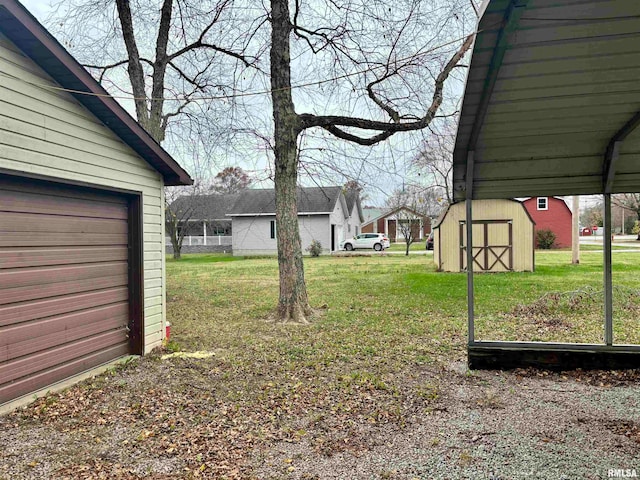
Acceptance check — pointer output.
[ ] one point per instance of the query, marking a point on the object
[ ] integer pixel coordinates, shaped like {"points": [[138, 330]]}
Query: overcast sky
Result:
{"points": [[397, 151]]}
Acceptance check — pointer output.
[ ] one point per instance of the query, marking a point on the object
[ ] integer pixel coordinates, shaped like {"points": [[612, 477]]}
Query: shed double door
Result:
{"points": [[64, 278], [492, 245]]}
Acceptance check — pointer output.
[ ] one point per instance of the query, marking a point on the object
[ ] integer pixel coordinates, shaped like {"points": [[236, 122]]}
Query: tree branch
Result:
{"points": [[136, 73], [332, 122]]}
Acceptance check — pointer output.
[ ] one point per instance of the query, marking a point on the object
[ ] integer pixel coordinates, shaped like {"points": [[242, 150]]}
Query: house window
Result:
{"points": [[273, 229], [349, 227], [543, 203]]}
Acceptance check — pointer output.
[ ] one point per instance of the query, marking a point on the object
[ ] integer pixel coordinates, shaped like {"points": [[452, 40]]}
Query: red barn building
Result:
{"points": [[551, 213]]}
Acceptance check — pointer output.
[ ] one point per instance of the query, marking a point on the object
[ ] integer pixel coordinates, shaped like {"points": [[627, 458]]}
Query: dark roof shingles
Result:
{"points": [[310, 200], [206, 207]]}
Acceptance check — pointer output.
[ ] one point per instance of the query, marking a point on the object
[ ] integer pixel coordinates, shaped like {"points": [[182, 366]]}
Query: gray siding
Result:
{"points": [[252, 235], [47, 132]]}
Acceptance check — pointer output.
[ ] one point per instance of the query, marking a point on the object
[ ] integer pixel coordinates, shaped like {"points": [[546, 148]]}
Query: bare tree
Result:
{"points": [[293, 302], [231, 180], [593, 215], [435, 161], [410, 206], [180, 206], [629, 201], [172, 53]]}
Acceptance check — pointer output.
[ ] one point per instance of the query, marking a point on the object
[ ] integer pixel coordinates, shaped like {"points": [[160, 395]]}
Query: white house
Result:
{"points": [[323, 215]]}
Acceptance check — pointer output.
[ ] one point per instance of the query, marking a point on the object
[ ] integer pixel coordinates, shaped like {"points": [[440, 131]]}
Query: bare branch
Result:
{"points": [[330, 122]]}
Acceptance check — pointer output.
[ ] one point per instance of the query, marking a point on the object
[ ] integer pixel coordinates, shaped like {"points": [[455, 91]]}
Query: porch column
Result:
{"points": [[204, 230]]}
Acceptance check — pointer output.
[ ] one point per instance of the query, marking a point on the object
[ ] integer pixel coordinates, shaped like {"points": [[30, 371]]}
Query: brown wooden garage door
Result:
{"points": [[63, 283]]}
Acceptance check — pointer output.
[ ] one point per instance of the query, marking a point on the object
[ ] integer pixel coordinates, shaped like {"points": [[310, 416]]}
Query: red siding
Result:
{"points": [[426, 226], [368, 228], [557, 219]]}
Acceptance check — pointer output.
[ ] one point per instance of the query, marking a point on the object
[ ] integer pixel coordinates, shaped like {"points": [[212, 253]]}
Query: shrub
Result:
{"points": [[545, 239], [315, 249]]}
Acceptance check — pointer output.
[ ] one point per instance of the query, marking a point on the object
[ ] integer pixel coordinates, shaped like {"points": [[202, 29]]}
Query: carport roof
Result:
{"points": [[35, 41], [552, 100]]}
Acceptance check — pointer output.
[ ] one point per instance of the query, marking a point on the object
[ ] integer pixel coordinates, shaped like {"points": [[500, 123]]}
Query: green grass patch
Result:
{"points": [[203, 258], [418, 245], [385, 315]]}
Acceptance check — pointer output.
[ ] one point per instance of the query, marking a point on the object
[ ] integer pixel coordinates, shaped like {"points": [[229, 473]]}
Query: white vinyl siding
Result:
{"points": [[337, 219], [251, 235], [47, 132]]}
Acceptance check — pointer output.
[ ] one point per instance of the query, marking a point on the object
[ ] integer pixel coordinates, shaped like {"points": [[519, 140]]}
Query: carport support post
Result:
{"points": [[608, 281], [470, 293], [469, 220]]}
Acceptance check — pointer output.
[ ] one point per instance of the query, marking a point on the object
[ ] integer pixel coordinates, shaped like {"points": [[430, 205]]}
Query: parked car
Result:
{"points": [[377, 241], [429, 243]]}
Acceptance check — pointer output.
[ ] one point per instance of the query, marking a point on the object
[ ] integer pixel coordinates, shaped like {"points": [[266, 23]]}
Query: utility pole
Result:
{"points": [[575, 232]]}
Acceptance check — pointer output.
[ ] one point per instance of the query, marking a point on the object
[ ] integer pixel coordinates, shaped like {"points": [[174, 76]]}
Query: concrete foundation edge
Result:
{"points": [[61, 385], [493, 358]]}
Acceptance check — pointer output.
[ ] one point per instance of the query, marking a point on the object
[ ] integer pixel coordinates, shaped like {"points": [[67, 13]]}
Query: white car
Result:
{"points": [[377, 241]]}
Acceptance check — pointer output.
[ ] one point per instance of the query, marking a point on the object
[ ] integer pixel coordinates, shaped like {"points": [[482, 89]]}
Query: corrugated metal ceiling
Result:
{"points": [[550, 85]]}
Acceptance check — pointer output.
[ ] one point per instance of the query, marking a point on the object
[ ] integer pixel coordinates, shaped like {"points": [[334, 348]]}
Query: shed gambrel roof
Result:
{"points": [[311, 200], [19, 26], [443, 215]]}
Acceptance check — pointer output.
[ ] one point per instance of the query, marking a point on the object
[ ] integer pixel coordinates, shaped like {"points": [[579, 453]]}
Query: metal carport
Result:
{"points": [[551, 107]]}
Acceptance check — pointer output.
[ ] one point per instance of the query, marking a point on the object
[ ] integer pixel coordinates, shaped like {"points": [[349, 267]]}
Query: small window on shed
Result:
{"points": [[543, 203], [273, 229]]}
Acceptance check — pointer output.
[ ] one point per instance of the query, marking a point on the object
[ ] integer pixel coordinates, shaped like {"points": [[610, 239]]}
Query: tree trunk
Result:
{"points": [[293, 303], [408, 245], [176, 244]]}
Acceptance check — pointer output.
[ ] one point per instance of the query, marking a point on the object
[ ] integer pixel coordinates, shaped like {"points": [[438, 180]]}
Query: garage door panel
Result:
{"points": [[27, 311], [27, 337], [9, 239], [19, 257], [64, 282], [21, 277], [38, 223], [23, 202], [49, 358], [59, 191], [21, 294], [34, 382]]}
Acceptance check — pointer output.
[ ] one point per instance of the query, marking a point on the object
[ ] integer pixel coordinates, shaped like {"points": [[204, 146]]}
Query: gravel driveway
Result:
{"points": [[171, 419]]}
